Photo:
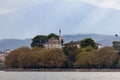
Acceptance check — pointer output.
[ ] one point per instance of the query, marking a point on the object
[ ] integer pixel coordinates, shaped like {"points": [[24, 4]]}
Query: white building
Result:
{"points": [[54, 42]]}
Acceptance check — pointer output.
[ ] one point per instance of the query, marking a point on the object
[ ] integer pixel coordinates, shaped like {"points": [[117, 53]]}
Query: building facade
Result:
{"points": [[72, 44], [54, 42]]}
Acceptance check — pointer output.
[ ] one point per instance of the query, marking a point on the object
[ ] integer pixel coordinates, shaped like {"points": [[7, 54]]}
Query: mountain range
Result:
{"points": [[104, 40], [70, 17], [11, 44]]}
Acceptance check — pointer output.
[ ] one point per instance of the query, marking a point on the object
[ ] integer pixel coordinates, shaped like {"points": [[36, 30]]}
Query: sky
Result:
{"points": [[7, 6], [14, 11]]}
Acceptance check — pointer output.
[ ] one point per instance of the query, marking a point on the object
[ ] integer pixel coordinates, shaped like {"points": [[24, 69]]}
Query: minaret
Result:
{"points": [[60, 37]]}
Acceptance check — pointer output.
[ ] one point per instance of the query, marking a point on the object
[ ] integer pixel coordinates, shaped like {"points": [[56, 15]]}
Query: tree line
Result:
{"points": [[88, 56], [35, 58], [72, 57]]}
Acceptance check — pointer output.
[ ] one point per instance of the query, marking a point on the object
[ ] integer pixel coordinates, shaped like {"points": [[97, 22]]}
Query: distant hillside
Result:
{"points": [[96, 37], [71, 17], [13, 43], [104, 40], [108, 41]]}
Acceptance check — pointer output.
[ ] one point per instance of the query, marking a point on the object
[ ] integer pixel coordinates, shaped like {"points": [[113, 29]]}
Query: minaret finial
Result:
{"points": [[59, 32], [60, 35]]}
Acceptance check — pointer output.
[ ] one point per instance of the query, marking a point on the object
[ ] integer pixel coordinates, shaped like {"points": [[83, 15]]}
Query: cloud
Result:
{"points": [[17, 4], [8, 5], [104, 3], [4, 11]]}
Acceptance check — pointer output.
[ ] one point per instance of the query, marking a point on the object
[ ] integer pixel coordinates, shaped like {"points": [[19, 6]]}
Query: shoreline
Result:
{"points": [[61, 70]]}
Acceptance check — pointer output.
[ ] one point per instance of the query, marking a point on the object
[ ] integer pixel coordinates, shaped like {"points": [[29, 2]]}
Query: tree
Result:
{"points": [[103, 58], [116, 45], [86, 60], [35, 58], [18, 58], [87, 48], [70, 52], [53, 35], [108, 57], [24, 57], [12, 60], [39, 41], [88, 42], [53, 58]]}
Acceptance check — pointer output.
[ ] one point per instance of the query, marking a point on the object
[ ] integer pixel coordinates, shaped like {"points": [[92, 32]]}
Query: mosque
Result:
{"points": [[54, 43]]}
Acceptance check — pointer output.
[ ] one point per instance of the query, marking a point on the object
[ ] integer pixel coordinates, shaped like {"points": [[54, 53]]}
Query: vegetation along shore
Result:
{"points": [[61, 70], [48, 53]]}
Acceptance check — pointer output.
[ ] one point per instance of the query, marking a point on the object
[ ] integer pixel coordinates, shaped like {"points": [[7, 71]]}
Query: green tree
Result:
{"points": [[35, 58], [53, 35], [103, 58], [71, 53], [88, 42], [39, 41], [85, 60], [53, 58], [108, 57], [18, 58], [12, 60], [116, 45], [118, 63], [24, 58], [56, 36], [87, 48]]}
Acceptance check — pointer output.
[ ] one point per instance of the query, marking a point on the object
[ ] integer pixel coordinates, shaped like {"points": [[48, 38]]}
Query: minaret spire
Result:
{"points": [[60, 35]]}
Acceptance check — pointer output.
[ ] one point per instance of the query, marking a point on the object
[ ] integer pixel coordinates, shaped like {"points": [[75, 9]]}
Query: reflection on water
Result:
{"points": [[59, 75]]}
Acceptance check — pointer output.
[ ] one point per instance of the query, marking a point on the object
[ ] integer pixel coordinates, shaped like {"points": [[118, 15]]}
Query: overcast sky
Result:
{"points": [[12, 6], [7, 6]]}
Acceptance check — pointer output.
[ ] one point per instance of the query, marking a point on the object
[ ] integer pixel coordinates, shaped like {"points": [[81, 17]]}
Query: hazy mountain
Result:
{"points": [[104, 40], [13, 43], [108, 41], [96, 37], [71, 17]]}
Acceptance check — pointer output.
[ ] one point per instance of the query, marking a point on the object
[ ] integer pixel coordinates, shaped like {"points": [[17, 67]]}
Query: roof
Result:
{"points": [[53, 40], [73, 43], [98, 44]]}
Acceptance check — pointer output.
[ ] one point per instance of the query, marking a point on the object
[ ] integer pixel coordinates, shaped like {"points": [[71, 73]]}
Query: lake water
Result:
{"points": [[59, 75]]}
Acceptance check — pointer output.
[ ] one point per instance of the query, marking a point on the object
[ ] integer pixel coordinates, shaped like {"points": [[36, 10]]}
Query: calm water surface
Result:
{"points": [[59, 75]]}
